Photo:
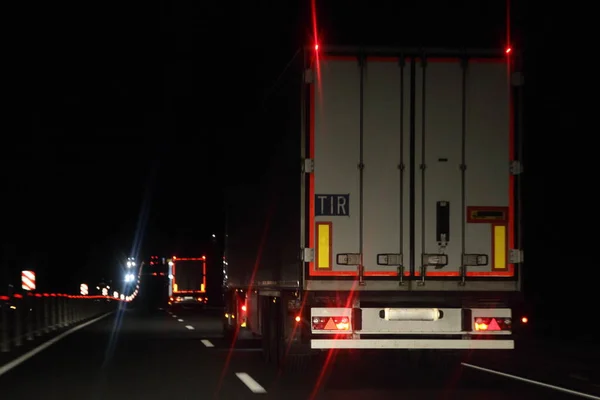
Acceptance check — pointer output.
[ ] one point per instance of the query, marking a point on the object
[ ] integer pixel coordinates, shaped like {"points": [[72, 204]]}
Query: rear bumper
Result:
{"points": [[449, 344], [188, 306]]}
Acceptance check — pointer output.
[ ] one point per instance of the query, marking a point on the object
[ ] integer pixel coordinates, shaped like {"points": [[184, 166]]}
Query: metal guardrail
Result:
{"points": [[25, 317]]}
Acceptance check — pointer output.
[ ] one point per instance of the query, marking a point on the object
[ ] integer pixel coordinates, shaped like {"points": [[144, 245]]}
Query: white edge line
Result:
{"points": [[546, 385], [180, 320], [21, 359], [247, 380], [191, 328], [207, 343]]}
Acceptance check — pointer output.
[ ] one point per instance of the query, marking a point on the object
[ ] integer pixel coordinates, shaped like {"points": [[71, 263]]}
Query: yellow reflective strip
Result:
{"points": [[175, 287], [500, 247], [202, 287], [324, 243]]}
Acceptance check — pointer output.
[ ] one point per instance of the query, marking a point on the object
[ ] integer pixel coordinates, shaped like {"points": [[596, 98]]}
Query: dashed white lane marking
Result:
{"points": [[180, 320], [247, 380], [207, 343], [17, 361], [191, 328], [174, 316], [546, 385]]}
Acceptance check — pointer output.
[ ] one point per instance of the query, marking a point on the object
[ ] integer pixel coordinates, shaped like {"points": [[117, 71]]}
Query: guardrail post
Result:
{"points": [[54, 311], [4, 329], [28, 303], [19, 308], [39, 317], [61, 311], [47, 320], [68, 301]]}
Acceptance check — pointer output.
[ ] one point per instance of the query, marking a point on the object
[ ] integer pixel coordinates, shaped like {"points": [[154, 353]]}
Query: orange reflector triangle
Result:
{"points": [[493, 326], [330, 326]]}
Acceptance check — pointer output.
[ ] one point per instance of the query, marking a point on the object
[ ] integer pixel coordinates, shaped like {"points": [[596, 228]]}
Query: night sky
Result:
{"points": [[135, 119]]}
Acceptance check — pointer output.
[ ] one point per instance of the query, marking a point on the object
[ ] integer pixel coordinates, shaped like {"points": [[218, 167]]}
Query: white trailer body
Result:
{"points": [[410, 189]]}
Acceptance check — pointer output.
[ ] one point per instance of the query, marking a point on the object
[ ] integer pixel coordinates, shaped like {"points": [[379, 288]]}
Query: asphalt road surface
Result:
{"points": [[133, 355]]}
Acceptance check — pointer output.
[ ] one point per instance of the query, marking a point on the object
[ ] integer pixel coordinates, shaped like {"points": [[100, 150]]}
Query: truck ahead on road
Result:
{"points": [[392, 221], [187, 289], [154, 284]]}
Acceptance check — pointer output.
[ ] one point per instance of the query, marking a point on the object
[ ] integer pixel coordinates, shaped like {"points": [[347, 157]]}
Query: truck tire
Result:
{"points": [[265, 328]]}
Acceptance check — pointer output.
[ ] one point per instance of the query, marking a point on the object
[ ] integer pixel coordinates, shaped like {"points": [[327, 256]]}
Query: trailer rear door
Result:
{"points": [[411, 168]]}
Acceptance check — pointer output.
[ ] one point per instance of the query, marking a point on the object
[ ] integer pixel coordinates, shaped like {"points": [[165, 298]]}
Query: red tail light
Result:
{"points": [[482, 324], [330, 323], [244, 308]]}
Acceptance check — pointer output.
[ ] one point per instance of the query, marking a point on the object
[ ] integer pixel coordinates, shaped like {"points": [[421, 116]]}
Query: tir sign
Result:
{"points": [[332, 205]]}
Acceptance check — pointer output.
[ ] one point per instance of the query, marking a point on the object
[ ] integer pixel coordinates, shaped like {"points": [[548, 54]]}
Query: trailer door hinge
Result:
{"points": [[308, 255], [516, 167], [308, 166], [309, 76], [515, 256]]}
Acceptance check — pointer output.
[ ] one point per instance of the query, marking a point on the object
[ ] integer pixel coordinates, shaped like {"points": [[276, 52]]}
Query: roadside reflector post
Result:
{"points": [[68, 302], [54, 306], [72, 305], [38, 309], [47, 320], [4, 330], [75, 310], [61, 311], [18, 332], [28, 303], [68, 307]]}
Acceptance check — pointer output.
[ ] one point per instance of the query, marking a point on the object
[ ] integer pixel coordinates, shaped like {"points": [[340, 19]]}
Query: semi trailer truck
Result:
{"points": [[187, 289], [391, 220]]}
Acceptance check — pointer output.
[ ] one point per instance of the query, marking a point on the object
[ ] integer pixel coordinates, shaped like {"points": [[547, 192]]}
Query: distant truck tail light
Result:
{"points": [[331, 324], [482, 324]]}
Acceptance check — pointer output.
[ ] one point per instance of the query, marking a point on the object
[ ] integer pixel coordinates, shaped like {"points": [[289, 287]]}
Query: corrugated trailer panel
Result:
{"points": [[454, 129]]}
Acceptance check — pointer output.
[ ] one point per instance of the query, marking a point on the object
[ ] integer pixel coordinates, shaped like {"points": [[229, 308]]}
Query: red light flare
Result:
{"points": [[297, 326], [508, 24], [313, 14], [332, 353], [508, 50]]}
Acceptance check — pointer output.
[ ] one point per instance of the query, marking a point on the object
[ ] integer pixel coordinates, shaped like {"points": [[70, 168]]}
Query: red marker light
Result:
{"points": [[508, 50], [316, 47]]}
